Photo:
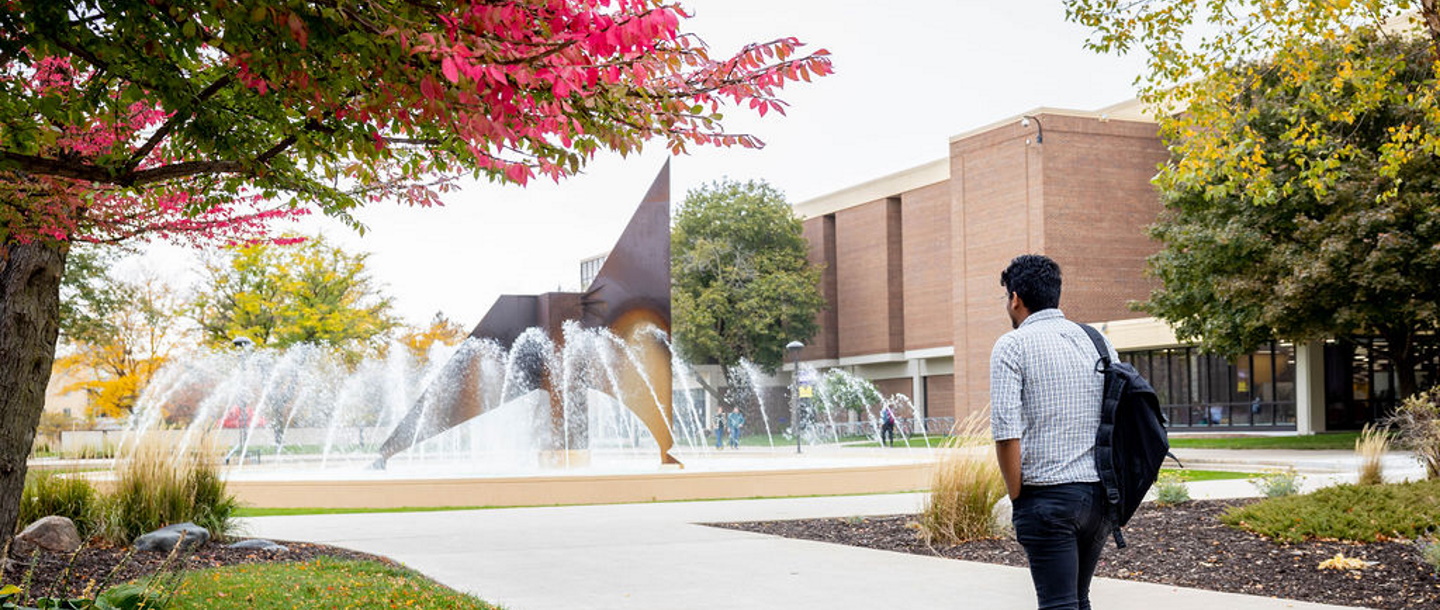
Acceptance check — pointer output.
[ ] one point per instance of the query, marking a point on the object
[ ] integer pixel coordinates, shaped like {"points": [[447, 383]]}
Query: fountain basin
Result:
{"points": [[742, 474]]}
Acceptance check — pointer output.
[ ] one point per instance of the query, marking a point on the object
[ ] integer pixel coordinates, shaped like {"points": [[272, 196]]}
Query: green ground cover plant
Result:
{"points": [[1328, 440], [1361, 513], [321, 584]]}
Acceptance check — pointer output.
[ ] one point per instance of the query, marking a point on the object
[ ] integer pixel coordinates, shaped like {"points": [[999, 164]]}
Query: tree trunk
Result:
{"points": [[29, 325], [1430, 14], [1404, 357]]}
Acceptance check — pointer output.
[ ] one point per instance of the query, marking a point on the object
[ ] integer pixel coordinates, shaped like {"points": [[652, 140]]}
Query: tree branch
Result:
{"points": [[175, 119]]}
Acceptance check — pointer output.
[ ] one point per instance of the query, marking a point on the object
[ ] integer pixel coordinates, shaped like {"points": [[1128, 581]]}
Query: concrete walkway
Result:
{"points": [[656, 556]]}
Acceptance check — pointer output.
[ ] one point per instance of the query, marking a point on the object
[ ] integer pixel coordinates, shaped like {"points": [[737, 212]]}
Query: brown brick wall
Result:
{"points": [[890, 387], [940, 396], [819, 232], [1098, 200], [925, 216], [995, 182], [1082, 197], [863, 279]]}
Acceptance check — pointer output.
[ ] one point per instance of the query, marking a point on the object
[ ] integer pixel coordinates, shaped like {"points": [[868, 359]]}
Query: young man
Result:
{"points": [[1045, 398]]}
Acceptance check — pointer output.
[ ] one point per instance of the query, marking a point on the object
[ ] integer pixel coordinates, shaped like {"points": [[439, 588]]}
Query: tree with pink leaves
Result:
{"points": [[204, 121]]}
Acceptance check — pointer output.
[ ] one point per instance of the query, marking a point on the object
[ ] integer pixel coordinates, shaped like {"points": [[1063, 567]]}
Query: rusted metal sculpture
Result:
{"points": [[630, 296]]}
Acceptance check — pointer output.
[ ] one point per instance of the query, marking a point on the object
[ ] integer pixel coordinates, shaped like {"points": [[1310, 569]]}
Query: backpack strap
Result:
{"points": [[1103, 448], [1100, 347]]}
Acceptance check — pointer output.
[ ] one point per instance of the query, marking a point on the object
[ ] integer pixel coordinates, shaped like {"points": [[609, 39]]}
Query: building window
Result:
{"points": [[590, 269], [1198, 390]]}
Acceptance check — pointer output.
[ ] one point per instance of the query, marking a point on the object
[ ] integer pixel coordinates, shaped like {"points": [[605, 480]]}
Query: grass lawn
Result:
{"points": [[323, 583], [1191, 476], [1329, 440]]}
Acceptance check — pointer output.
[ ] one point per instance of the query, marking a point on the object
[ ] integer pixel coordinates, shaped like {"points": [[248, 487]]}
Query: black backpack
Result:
{"points": [[1131, 443]]}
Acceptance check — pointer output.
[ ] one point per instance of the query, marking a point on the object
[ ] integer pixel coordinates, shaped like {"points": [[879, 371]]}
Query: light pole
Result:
{"points": [[794, 348]]}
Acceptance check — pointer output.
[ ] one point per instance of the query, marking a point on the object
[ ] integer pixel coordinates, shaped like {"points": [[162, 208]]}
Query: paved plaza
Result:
{"points": [[659, 556]]}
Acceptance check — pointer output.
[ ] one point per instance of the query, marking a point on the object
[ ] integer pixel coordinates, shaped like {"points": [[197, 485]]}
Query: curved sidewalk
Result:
{"points": [[656, 556]]}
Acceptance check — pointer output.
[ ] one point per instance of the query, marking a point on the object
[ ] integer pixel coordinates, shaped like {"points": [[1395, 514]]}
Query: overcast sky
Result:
{"points": [[907, 77]]}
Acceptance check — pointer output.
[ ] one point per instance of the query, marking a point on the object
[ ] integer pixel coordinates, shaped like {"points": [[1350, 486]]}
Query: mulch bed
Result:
{"points": [[1185, 546], [73, 575]]}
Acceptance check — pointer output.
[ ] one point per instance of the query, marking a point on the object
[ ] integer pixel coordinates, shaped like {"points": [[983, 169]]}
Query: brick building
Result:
{"points": [[912, 260], [912, 265]]}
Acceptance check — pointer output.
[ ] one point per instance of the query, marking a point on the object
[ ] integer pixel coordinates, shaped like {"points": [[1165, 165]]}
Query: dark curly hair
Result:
{"points": [[1036, 279]]}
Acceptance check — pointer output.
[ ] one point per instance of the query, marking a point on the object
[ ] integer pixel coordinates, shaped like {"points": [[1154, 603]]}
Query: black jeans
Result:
{"points": [[1063, 529]]}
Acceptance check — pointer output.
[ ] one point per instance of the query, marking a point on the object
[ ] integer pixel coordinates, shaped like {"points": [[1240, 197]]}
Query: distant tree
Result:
{"points": [[117, 332], [742, 286], [843, 390], [279, 296], [1357, 255], [442, 330]]}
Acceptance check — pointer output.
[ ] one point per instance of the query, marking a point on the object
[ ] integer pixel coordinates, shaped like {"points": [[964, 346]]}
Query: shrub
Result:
{"points": [[1417, 423], [966, 486], [62, 494], [1371, 447], [1361, 513], [1170, 489], [1278, 483], [155, 487], [1430, 552]]}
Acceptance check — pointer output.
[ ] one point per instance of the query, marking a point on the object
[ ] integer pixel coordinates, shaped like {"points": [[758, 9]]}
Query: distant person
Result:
{"points": [[1045, 393], [736, 421], [887, 426], [720, 429]]}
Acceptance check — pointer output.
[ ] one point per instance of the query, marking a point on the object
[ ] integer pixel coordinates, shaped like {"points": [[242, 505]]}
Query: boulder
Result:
{"points": [[260, 544], [1001, 515], [53, 534], [164, 539]]}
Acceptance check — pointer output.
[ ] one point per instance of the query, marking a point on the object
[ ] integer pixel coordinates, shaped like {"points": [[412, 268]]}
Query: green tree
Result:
{"points": [[1358, 256], [742, 286], [279, 296]]}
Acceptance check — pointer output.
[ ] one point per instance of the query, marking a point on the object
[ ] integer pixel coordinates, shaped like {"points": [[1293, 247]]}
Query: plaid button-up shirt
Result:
{"points": [[1045, 391]]}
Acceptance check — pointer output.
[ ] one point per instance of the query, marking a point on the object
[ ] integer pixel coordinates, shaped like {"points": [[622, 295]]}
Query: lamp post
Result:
{"points": [[794, 348]]}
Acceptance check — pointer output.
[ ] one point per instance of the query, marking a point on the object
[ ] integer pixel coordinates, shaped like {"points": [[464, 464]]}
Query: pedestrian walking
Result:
{"points": [[1045, 395]]}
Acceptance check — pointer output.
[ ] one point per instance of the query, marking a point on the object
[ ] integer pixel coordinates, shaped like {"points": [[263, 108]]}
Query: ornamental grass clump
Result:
{"points": [[156, 486], [1417, 425], [1371, 448], [61, 494], [966, 486]]}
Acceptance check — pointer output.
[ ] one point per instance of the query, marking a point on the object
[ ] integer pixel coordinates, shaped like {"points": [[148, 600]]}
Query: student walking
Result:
{"points": [[1045, 394], [720, 429], [737, 421]]}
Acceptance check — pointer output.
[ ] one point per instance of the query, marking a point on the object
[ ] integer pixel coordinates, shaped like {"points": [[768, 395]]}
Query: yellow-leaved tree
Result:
{"points": [[117, 332]]}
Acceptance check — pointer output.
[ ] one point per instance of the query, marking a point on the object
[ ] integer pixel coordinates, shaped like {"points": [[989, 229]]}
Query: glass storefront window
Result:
{"points": [[1204, 390]]}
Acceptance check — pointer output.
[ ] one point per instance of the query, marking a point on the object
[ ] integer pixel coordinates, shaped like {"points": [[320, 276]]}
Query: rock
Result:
{"points": [[53, 534], [1001, 515], [164, 539], [259, 545]]}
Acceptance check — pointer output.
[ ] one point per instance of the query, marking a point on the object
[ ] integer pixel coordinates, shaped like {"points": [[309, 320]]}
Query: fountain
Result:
{"points": [[630, 297], [559, 398]]}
